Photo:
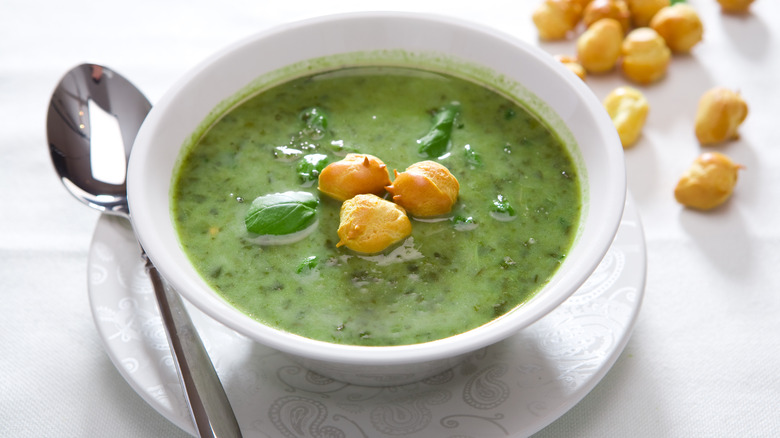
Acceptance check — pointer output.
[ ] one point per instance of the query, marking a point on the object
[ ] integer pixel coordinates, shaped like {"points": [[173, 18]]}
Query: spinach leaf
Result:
{"points": [[462, 223], [314, 118], [281, 213], [307, 264], [473, 158], [502, 209], [434, 144], [310, 166]]}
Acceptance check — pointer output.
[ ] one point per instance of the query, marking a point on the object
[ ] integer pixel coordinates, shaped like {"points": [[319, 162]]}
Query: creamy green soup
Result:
{"points": [[514, 221]]}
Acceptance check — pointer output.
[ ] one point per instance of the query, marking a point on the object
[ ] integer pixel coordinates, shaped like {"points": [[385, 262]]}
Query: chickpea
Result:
{"points": [[719, 115], [679, 25], [708, 183], [735, 6], [598, 48], [645, 55], [572, 65], [353, 175], [425, 189], [628, 109], [554, 19], [369, 224], [581, 3], [642, 11], [598, 9]]}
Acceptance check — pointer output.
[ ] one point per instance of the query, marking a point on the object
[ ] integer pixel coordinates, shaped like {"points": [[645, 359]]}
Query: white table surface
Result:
{"points": [[704, 358]]}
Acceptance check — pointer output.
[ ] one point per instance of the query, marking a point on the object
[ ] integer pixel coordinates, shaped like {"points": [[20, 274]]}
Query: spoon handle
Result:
{"points": [[209, 405]]}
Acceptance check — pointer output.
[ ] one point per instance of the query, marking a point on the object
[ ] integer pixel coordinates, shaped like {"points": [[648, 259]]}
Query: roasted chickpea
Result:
{"points": [[735, 6], [353, 175], [598, 48], [628, 109], [719, 114], [572, 64], [679, 25], [581, 3], [425, 189], [370, 224], [642, 11], [615, 9], [645, 56], [708, 183], [554, 19]]}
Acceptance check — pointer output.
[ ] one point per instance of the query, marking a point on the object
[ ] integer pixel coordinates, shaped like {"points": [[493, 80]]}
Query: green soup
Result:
{"points": [[514, 221]]}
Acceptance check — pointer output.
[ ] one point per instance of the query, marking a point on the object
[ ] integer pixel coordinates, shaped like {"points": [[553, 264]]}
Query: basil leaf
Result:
{"points": [[434, 144], [281, 213]]}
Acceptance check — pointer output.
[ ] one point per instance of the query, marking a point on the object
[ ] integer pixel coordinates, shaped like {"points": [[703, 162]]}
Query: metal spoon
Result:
{"points": [[70, 143]]}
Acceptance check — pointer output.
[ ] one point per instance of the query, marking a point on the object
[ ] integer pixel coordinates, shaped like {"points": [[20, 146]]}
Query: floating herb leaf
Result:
{"points": [[434, 144], [281, 213], [310, 166], [461, 223], [307, 264], [472, 157], [314, 118], [502, 210]]}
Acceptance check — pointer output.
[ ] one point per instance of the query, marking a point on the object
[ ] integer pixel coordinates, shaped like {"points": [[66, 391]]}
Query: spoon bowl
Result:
{"points": [[69, 128], [70, 131]]}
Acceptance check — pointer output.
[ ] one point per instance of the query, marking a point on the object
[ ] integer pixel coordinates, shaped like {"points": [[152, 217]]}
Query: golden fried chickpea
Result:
{"points": [[642, 11], [572, 64], [598, 48], [554, 19], [735, 6], [679, 25], [719, 114], [627, 107], [369, 224], [645, 55], [581, 3], [615, 9], [355, 174], [425, 189], [708, 183]]}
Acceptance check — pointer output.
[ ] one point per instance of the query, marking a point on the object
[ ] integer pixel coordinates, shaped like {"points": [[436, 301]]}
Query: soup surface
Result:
{"points": [[513, 223]]}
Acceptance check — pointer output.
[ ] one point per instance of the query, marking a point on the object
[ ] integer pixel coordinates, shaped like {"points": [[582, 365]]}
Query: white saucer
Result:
{"points": [[511, 389]]}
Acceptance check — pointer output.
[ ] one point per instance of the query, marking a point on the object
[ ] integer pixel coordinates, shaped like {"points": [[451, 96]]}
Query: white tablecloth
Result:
{"points": [[704, 358]]}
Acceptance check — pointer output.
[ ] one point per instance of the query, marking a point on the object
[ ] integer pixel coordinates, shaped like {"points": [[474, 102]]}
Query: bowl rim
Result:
{"points": [[297, 345]]}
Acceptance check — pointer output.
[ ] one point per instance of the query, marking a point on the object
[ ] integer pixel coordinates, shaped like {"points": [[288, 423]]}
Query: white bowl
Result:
{"points": [[461, 48]]}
